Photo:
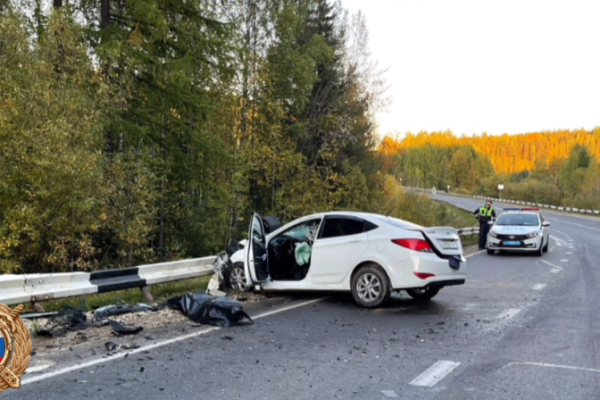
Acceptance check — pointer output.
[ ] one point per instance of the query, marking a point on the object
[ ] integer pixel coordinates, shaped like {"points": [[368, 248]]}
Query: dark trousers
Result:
{"points": [[484, 229]]}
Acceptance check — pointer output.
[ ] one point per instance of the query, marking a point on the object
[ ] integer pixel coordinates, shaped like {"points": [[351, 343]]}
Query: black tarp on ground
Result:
{"points": [[210, 310]]}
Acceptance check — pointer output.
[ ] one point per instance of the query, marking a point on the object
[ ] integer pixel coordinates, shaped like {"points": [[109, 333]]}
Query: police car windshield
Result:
{"points": [[518, 219]]}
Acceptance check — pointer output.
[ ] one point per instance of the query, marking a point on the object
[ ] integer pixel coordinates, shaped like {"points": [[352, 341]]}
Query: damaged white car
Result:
{"points": [[369, 255]]}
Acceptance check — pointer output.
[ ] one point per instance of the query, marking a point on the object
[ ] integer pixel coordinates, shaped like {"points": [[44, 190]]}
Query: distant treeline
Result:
{"points": [[558, 168]]}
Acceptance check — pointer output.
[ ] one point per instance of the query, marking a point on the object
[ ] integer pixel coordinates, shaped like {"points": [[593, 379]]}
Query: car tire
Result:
{"points": [[236, 277], [424, 294], [539, 251], [490, 252], [365, 283], [547, 244]]}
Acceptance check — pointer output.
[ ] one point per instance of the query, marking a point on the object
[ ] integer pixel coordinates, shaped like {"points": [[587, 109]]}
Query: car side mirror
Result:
{"points": [[546, 223]]}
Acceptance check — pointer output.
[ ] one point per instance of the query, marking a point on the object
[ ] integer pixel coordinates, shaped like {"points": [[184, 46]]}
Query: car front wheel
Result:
{"points": [[236, 278], [423, 294], [370, 286]]}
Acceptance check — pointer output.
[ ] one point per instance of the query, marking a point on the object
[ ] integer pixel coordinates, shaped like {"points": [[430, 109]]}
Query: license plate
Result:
{"points": [[512, 243], [450, 245]]}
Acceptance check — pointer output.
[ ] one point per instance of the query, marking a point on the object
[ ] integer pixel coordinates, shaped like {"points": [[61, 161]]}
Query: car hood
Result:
{"points": [[519, 230]]}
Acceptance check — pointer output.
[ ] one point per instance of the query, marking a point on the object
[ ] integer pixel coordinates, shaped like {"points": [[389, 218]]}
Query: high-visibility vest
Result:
{"points": [[484, 212]]}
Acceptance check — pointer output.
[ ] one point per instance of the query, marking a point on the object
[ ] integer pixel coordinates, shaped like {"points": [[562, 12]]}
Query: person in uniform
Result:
{"points": [[484, 214]]}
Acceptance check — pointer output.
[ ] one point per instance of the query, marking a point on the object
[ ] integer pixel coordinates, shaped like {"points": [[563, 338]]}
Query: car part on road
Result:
{"points": [[423, 294], [66, 320], [119, 329], [112, 310], [370, 286], [110, 346], [209, 310]]}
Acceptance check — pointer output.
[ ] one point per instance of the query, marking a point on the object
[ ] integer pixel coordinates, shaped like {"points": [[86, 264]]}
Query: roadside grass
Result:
{"points": [[457, 218], [161, 293]]}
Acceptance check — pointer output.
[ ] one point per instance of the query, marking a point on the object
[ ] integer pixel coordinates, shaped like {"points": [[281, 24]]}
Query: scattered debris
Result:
{"points": [[207, 309], [225, 337], [110, 346], [119, 329], [62, 322], [389, 393], [112, 310]]}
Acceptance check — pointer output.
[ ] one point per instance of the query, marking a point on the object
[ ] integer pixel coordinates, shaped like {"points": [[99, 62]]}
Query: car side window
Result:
{"points": [[304, 231], [336, 227]]}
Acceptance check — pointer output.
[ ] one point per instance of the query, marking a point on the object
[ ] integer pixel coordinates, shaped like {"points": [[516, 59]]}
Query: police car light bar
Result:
{"points": [[521, 209]]}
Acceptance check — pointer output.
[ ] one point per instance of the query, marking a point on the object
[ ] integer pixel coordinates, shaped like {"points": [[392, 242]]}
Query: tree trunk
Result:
{"points": [[104, 13]]}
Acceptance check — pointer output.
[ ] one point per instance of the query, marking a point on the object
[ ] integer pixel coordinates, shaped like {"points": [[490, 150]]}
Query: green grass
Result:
{"points": [[160, 293], [457, 218]]}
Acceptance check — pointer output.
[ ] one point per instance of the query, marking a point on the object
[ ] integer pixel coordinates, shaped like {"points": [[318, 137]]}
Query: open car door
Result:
{"points": [[255, 262]]}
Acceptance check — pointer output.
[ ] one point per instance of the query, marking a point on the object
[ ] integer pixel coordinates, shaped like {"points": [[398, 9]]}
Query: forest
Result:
{"points": [[145, 130], [559, 168]]}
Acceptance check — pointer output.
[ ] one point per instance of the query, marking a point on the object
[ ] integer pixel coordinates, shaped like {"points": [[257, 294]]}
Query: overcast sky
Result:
{"points": [[510, 66]]}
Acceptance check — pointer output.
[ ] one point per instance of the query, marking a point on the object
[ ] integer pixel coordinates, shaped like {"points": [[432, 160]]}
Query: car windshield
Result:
{"points": [[518, 219]]}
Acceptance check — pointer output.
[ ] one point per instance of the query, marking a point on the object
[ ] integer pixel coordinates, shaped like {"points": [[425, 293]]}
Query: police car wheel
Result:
{"points": [[547, 244], [539, 252], [490, 252]]}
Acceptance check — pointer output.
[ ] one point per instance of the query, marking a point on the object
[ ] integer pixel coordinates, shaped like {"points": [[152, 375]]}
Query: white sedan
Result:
{"points": [[519, 229], [370, 255]]}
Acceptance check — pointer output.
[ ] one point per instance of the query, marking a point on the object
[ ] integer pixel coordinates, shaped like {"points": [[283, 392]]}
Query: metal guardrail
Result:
{"points": [[546, 206], [35, 288], [468, 231]]}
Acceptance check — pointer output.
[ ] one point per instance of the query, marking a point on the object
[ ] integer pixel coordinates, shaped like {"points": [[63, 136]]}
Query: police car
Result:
{"points": [[519, 229]]}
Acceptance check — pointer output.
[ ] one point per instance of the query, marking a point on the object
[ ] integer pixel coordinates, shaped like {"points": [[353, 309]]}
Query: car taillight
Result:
{"points": [[414, 244], [423, 275]]}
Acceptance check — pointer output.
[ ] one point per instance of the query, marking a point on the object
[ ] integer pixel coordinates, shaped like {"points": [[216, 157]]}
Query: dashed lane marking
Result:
{"points": [[508, 313], [552, 265], [435, 373]]}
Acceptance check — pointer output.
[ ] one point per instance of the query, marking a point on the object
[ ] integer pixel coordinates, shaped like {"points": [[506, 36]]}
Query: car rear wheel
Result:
{"points": [[236, 279], [423, 294], [370, 286]]}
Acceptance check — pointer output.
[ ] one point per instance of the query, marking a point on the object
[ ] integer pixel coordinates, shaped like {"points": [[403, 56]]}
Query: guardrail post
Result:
{"points": [[147, 294], [37, 307]]}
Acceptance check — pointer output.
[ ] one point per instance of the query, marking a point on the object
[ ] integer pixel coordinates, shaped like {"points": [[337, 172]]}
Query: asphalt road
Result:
{"points": [[520, 328]]}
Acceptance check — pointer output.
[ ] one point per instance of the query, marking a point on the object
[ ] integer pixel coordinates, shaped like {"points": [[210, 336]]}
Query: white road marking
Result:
{"points": [[555, 271], [38, 368], [552, 366], [539, 286], [97, 361], [552, 265], [579, 225], [435, 373], [508, 313], [389, 393], [474, 254], [564, 260]]}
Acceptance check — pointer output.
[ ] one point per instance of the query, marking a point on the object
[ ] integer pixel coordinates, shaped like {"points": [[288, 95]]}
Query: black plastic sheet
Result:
{"points": [[210, 310]]}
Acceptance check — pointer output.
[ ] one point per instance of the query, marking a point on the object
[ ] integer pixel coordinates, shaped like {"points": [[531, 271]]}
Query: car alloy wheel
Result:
{"points": [[370, 286], [237, 277]]}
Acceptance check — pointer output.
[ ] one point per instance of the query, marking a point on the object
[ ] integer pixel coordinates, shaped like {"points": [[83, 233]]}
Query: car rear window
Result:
{"points": [[398, 223]]}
